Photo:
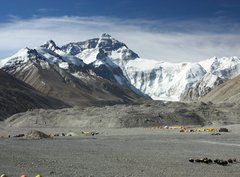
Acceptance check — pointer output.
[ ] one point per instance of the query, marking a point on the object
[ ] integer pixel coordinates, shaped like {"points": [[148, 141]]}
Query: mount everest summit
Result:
{"points": [[104, 69]]}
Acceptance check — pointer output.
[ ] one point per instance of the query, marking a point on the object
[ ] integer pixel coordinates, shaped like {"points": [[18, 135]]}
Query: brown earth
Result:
{"points": [[16, 96], [83, 90], [226, 92]]}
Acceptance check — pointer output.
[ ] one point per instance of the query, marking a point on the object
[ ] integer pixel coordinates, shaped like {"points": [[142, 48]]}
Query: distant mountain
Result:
{"points": [[113, 48], [108, 60], [114, 52], [16, 96], [229, 91], [160, 80], [202, 87], [218, 70], [58, 74]]}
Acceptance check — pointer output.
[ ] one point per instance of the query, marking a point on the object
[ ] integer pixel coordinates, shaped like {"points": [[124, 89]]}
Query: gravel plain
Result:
{"points": [[120, 152], [127, 144]]}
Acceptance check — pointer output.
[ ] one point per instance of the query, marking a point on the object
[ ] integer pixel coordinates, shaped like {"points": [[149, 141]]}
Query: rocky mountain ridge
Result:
{"points": [[109, 59], [228, 92], [60, 75], [158, 79], [16, 96]]}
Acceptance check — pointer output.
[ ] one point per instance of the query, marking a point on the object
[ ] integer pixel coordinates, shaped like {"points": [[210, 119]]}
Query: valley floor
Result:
{"points": [[120, 152]]}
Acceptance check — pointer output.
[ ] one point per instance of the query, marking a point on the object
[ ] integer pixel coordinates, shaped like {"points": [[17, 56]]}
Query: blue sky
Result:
{"points": [[147, 9], [172, 30]]}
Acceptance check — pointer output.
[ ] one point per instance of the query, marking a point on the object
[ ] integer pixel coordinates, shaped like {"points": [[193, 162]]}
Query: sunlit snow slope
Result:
{"points": [[160, 80]]}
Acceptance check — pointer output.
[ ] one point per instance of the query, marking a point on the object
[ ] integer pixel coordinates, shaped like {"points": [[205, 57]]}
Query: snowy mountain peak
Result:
{"points": [[105, 36], [89, 50], [51, 45], [225, 67], [12, 63], [101, 54], [22, 52], [106, 42], [113, 60]]}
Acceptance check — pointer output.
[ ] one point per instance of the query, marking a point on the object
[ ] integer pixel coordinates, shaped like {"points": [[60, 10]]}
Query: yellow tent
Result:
{"points": [[210, 129]]}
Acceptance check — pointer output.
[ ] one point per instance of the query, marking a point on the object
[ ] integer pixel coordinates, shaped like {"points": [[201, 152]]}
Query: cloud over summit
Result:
{"points": [[174, 41]]}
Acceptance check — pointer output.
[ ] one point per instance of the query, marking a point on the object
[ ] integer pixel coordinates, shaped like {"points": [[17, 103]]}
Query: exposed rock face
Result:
{"points": [[51, 45], [202, 87], [160, 80], [16, 96], [105, 42], [57, 74]]}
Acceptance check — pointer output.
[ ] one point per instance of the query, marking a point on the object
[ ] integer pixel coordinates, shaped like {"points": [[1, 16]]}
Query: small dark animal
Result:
{"points": [[210, 161], [224, 163], [223, 130], [197, 160], [191, 160], [205, 160]]}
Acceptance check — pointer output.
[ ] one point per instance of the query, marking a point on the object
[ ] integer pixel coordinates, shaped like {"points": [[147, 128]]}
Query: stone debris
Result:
{"points": [[35, 134], [19, 135]]}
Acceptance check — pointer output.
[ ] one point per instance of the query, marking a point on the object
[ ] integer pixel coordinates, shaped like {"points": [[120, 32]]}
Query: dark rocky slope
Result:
{"points": [[16, 96]]}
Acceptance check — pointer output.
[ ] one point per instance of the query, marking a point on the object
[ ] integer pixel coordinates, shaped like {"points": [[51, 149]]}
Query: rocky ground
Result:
{"points": [[121, 152], [128, 116], [127, 143]]}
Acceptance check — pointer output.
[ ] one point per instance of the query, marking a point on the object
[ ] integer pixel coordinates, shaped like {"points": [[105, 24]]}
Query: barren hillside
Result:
{"points": [[16, 96]]}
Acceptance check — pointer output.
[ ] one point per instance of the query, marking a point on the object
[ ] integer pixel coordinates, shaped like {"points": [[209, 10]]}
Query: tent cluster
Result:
{"points": [[187, 129], [213, 130], [199, 130]]}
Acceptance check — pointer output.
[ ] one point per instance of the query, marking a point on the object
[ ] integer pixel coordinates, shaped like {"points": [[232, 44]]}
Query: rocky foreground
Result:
{"points": [[135, 152], [126, 143]]}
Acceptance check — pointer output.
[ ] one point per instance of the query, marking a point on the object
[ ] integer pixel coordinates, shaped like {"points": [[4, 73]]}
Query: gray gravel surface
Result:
{"points": [[129, 116], [122, 152]]}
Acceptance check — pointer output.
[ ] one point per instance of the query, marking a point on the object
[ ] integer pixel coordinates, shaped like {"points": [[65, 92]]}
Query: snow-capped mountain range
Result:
{"points": [[110, 59]]}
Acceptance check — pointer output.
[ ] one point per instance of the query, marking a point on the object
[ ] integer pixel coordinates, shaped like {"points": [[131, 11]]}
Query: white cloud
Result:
{"points": [[150, 39]]}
